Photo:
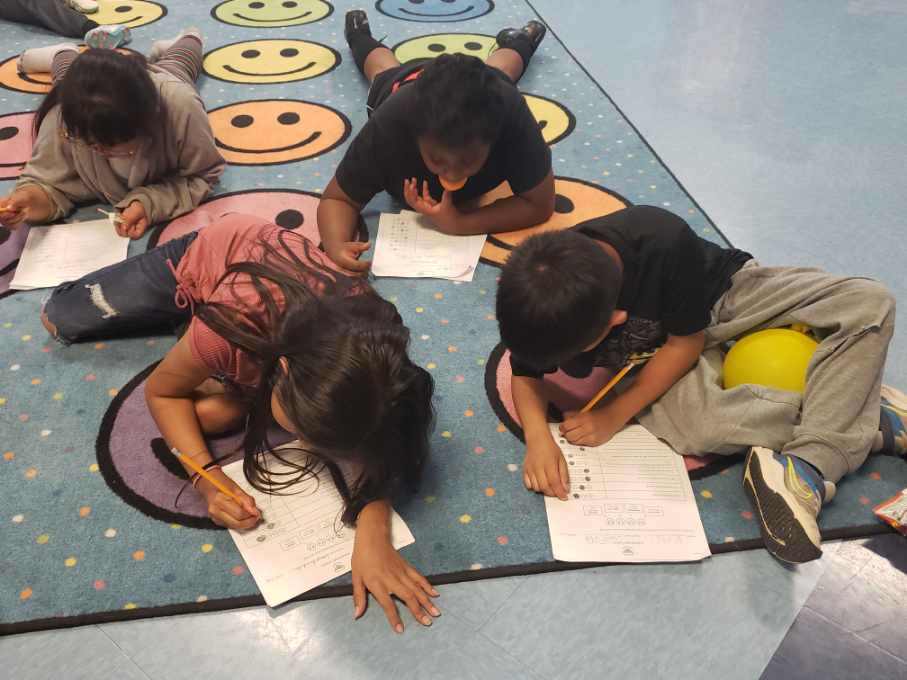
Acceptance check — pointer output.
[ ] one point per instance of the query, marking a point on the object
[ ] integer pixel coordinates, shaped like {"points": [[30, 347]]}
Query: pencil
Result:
{"points": [[207, 475], [607, 388]]}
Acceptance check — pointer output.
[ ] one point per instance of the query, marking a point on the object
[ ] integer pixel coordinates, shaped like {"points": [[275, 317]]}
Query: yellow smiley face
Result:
{"points": [[271, 13], [575, 201], [37, 83], [555, 120], [431, 46], [272, 131], [270, 61], [131, 13]]}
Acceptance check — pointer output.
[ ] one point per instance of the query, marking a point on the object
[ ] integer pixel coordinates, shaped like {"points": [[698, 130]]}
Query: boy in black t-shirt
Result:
{"points": [[639, 280], [441, 133]]}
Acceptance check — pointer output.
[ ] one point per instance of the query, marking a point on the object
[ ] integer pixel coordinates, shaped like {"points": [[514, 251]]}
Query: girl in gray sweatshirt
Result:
{"points": [[121, 130]]}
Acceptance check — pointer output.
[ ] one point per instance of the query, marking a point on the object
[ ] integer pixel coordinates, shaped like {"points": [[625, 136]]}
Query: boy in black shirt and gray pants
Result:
{"points": [[441, 133], [641, 279]]}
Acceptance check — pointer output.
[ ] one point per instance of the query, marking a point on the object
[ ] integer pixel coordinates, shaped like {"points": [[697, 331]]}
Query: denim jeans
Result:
{"points": [[133, 297]]}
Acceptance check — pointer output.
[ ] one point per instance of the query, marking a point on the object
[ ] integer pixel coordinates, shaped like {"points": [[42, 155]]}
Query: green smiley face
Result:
{"points": [[271, 13]]}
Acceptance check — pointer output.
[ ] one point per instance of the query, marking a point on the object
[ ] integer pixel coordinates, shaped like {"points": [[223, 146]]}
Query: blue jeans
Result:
{"points": [[133, 297]]}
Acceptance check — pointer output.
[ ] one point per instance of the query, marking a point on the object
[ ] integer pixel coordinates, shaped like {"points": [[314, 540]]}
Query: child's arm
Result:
{"points": [[544, 468], [378, 568], [197, 167], [671, 362], [338, 215], [27, 204], [169, 394], [506, 214]]}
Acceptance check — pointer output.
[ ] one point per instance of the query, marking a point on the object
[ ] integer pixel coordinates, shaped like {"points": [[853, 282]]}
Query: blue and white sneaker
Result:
{"points": [[893, 422], [787, 494], [108, 36]]}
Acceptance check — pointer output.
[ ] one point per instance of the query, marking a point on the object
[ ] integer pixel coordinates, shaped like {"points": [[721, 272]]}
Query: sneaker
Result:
{"points": [[534, 31], [356, 22], [83, 6], [893, 422], [108, 37], [786, 494]]}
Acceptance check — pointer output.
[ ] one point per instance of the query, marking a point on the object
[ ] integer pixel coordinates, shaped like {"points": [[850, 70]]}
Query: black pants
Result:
{"points": [[54, 15]]}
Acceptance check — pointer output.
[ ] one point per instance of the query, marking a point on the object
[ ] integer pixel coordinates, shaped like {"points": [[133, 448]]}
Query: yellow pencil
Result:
{"points": [[206, 475], [607, 388]]}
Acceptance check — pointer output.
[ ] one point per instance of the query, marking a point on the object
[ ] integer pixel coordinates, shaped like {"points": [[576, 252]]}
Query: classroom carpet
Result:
{"points": [[91, 527]]}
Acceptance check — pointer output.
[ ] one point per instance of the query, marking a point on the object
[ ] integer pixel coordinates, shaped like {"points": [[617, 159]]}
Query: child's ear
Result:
{"points": [[618, 317]]}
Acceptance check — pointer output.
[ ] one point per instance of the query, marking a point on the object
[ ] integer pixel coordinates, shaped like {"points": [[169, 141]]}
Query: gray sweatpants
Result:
{"points": [[54, 15], [833, 424]]}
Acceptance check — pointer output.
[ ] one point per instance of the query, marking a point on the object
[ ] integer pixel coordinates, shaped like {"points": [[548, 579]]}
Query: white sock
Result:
{"points": [[161, 46], [41, 59], [83, 6]]}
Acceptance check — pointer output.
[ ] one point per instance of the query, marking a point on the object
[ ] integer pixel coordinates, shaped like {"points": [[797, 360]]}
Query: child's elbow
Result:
{"points": [[545, 210]]}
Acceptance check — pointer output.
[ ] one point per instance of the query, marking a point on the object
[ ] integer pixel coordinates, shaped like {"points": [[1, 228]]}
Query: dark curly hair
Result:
{"points": [[459, 101]]}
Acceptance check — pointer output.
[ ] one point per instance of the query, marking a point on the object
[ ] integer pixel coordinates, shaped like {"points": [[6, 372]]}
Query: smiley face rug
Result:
{"points": [[95, 527], [271, 13]]}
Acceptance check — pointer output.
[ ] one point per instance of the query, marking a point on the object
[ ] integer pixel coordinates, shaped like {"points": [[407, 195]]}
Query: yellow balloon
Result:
{"points": [[777, 358]]}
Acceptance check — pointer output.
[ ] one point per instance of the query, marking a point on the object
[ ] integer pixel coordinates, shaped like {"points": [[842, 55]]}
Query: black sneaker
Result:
{"points": [[356, 22], [534, 31]]}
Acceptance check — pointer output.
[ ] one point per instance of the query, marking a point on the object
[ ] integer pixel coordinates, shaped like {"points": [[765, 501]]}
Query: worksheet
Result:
{"points": [[300, 542], [630, 501], [409, 246], [66, 252]]}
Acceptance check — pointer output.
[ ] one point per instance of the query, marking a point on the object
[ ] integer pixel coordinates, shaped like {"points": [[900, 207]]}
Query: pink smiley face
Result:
{"points": [[287, 208], [15, 143]]}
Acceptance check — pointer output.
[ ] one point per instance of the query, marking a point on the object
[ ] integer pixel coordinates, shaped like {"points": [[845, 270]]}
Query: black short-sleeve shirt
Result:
{"points": [[671, 280], [385, 152]]}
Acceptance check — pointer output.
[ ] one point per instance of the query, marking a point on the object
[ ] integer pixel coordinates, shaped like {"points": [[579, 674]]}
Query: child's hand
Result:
{"points": [[347, 253], [443, 213], [591, 428], [378, 569], [222, 509], [544, 469], [15, 208], [132, 221]]}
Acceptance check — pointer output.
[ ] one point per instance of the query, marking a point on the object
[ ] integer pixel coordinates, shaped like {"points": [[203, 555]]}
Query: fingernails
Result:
{"points": [[435, 611], [435, 593], [426, 621], [399, 628]]}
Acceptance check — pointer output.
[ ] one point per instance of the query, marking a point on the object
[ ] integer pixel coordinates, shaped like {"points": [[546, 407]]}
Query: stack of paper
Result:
{"points": [[630, 501], [408, 245], [300, 542], [66, 252]]}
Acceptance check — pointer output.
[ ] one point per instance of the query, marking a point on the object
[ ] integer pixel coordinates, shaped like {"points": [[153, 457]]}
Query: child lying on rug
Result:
{"points": [[441, 134], [66, 18], [274, 332], [641, 279], [116, 129]]}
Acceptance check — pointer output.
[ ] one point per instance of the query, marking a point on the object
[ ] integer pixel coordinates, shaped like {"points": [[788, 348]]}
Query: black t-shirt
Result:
{"points": [[671, 280], [385, 152]]}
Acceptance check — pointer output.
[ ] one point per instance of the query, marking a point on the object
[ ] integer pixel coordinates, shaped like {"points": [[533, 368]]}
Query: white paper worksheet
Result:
{"points": [[300, 542], [409, 246], [630, 501], [66, 252]]}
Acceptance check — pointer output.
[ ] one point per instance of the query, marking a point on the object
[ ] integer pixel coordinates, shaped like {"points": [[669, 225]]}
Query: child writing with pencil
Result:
{"points": [[117, 129], [275, 333], [440, 134], [640, 280]]}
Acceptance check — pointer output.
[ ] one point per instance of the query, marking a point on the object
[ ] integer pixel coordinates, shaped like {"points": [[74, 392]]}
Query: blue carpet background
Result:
{"points": [[74, 548]]}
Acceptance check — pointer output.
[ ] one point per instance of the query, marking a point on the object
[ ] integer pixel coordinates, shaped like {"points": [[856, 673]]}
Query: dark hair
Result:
{"points": [[348, 386], [458, 102], [556, 295], [105, 98]]}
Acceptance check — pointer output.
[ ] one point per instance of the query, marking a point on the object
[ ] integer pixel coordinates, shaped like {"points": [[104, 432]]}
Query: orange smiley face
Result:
{"points": [[575, 201], [271, 131], [36, 83]]}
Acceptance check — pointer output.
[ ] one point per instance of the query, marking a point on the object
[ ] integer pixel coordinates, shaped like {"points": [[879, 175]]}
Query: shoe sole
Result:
{"points": [[782, 534]]}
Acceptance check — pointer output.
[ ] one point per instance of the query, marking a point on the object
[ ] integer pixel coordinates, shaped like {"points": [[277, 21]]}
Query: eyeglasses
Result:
{"points": [[105, 151]]}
